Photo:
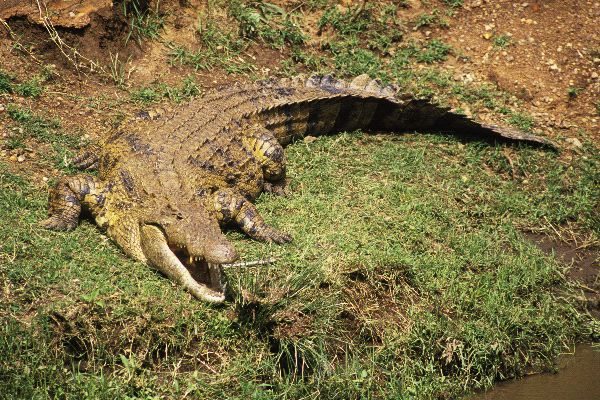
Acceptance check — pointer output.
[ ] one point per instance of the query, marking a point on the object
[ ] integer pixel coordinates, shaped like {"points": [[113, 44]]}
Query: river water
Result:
{"points": [[578, 379]]}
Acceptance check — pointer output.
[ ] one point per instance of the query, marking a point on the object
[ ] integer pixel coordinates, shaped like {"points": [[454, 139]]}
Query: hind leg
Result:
{"points": [[269, 152]]}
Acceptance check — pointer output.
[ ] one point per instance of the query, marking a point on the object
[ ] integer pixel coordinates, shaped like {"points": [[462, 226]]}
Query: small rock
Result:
{"points": [[21, 158], [574, 142], [72, 14], [594, 75], [45, 178], [2, 107], [309, 139], [487, 36]]}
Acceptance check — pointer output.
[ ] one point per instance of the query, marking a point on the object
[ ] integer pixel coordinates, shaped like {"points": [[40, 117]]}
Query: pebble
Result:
{"points": [[2, 107], [574, 142], [21, 158], [309, 139]]}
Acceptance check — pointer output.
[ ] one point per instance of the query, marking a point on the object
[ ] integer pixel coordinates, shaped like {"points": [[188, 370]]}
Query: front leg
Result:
{"points": [[66, 200], [231, 206], [88, 158]]}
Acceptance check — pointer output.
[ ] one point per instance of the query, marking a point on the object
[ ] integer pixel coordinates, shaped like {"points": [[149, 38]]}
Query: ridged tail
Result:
{"points": [[323, 104]]}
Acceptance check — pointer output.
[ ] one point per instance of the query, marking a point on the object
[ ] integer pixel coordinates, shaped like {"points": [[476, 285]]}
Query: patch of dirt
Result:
{"points": [[65, 13], [583, 264], [551, 59]]}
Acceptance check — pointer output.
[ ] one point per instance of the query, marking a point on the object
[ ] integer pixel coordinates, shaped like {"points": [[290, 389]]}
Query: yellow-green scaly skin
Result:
{"points": [[177, 180]]}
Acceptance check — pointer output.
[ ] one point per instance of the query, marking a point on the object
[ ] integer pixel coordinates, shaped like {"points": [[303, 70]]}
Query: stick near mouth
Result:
{"points": [[160, 256]]}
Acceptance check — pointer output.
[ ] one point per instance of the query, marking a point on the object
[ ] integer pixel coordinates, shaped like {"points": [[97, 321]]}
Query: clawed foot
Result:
{"points": [[56, 223], [279, 188], [87, 159], [271, 235]]}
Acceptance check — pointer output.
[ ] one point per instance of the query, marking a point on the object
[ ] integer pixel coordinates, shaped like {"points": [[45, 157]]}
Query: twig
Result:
{"points": [[74, 55], [249, 263]]}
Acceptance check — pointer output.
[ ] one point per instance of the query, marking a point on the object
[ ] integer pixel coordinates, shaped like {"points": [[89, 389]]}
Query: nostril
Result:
{"points": [[222, 253]]}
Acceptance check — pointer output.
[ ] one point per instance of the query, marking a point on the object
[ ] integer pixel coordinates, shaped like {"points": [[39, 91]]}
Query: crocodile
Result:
{"points": [[166, 188]]}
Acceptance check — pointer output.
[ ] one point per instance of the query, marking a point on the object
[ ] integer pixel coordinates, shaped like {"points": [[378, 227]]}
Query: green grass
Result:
{"points": [[144, 23], [266, 21], [30, 88], [189, 88], [408, 277], [219, 47], [502, 41], [454, 3], [432, 19], [28, 128]]}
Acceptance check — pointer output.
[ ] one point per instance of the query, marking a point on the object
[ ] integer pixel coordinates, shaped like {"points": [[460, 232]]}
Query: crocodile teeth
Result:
{"points": [[214, 271], [191, 261]]}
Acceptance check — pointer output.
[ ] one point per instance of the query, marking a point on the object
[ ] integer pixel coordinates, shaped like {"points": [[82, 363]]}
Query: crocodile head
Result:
{"points": [[189, 247]]}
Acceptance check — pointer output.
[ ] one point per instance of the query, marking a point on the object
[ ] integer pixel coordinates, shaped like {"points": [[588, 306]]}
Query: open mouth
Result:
{"points": [[203, 272], [201, 278]]}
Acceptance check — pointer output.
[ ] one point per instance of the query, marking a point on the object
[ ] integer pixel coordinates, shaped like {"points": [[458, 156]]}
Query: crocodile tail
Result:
{"points": [[365, 103]]}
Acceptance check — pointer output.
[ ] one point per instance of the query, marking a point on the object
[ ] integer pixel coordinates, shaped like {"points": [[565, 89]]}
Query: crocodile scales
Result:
{"points": [[165, 188]]}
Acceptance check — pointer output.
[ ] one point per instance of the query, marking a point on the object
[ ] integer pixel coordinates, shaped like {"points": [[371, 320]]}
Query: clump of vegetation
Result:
{"points": [[143, 21], [454, 3], [434, 18], [573, 91], [266, 21], [434, 51], [188, 89], [502, 41], [30, 88], [218, 48], [29, 126]]}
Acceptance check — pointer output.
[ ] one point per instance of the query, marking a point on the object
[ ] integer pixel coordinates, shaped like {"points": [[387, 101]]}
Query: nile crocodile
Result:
{"points": [[165, 188]]}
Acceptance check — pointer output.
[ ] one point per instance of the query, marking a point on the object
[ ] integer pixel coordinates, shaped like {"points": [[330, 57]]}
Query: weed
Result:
{"points": [[143, 22], [118, 69], [6, 82], [33, 127], [434, 51], [267, 21], [353, 60], [431, 19], [520, 120], [573, 92], [502, 41], [219, 48], [31, 88], [188, 89], [146, 95], [454, 3], [355, 20]]}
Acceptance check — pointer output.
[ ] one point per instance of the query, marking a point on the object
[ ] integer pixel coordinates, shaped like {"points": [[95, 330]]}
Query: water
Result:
{"points": [[578, 379]]}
